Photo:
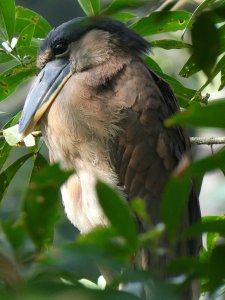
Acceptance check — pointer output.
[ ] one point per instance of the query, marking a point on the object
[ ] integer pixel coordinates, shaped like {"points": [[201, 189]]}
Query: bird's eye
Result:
{"points": [[60, 48]]}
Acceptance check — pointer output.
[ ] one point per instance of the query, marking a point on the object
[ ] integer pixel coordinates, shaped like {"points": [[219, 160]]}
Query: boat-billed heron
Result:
{"points": [[102, 112]]}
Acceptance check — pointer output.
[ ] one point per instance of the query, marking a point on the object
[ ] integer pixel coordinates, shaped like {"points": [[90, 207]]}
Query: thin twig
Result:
{"points": [[195, 140], [211, 146], [207, 141]]}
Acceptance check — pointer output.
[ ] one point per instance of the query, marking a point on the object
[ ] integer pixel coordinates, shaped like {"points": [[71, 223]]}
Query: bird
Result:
{"points": [[101, 111]]}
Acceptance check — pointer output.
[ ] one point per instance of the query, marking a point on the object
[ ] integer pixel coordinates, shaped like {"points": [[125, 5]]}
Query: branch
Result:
{"points": [[207, 141], [195, 140]]}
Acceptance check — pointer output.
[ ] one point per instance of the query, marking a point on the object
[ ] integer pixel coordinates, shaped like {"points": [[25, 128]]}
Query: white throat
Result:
{"points": [[80, 198]]}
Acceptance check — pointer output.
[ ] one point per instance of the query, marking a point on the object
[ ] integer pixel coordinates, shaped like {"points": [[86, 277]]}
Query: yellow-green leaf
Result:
{"points": [[7, 175], [10, 79], [12, 135], [7, 19], [196, 115], [162, 21], [90, 7], [25, 36], [26, 16], [117, 212]]}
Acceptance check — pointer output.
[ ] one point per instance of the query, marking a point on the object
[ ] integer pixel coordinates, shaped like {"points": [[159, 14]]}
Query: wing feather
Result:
{"points": [[146, 152]]}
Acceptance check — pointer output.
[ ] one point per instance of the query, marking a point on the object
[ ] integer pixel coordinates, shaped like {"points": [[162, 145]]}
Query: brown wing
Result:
{"points": [[146, 152]]}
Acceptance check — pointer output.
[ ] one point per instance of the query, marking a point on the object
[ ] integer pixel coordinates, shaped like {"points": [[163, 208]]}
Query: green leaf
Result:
{"points": [[79, 258], [23, 46], [160, 290], [6, 148], [7, 19], [174, 201], [219, 10], [25, 36], [222, 84], [41, 201], [88, 284], [138, 206], [117, 211], [213, 271], [116, 6], [26, 16], [185, 265], [5, 57], [90, 7], [10, 79], [12, 135], [159, 22], [182, 93], [197, 12], [169, 44], [7, 175], [222, 31], [213, 224], [123, 16], [209, 163], [36, 42], [27, 52], [4, 153], [189, 68], [205, 51], [209, 269], [53, 287], [211, 115], [15, 233], [218, 67], [153, 66], [212, 240], [103, 244]]}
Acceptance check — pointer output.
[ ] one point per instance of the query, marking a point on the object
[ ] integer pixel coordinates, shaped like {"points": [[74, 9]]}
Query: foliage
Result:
{"points": [[30, 268]]}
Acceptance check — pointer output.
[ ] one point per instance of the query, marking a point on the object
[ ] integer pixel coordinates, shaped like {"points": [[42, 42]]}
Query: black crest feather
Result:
{"points": [[75, 28]]}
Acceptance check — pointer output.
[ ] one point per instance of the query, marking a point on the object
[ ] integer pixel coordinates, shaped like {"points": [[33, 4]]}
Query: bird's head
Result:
{"points": [[76, 46]]}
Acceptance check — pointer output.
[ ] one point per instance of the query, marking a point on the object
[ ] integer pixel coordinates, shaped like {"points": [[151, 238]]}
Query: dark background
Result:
{"points": [[56, 12]]}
